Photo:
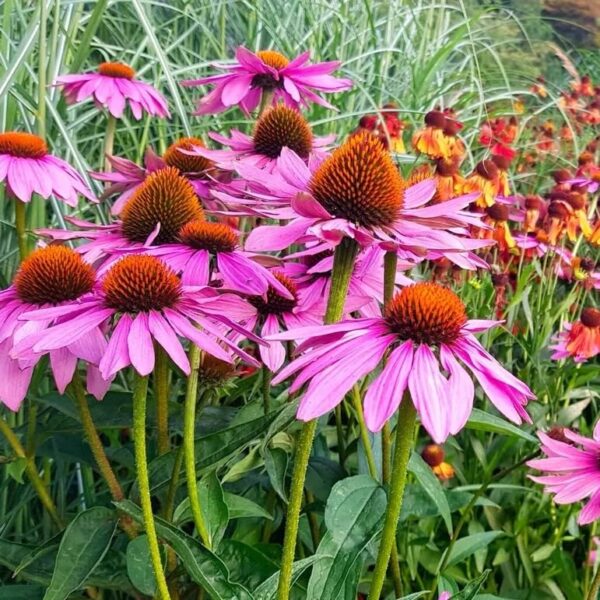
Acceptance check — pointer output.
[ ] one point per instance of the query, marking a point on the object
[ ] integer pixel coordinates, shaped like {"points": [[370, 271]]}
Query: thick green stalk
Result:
{"points": [[161, 395], [30, 468], [390, 265], [595, 588], [189, 421], [140, 393], [21, 227], [404, 443], [265, 101], [343, 263], [98, 452], [364, 434], [267, 376]]}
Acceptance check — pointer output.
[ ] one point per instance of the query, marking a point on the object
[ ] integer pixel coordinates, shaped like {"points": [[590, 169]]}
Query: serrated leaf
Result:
{"points": [[85, 542], [268, 589], [483, 421], [431, 484], [139, 566], [204, 567]]}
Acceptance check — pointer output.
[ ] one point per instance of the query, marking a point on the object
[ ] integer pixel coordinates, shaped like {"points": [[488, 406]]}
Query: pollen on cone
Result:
{"points": [[281, 126]]}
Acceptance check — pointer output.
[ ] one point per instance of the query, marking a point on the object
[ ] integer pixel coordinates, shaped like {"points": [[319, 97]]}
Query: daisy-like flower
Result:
{"points": [[28, 168], [49, 278], [278, 127], [357, 192], [142, 301], [485, 181], [114, 86], [269, 71], [126, 176], [203, 245], [574, 466], [579, 340], [424, 326], [438, 139], [153, 215], [275, 312]]}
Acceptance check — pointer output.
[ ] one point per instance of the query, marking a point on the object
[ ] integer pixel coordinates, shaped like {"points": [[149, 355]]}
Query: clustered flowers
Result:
{"points": [[240, 252]]}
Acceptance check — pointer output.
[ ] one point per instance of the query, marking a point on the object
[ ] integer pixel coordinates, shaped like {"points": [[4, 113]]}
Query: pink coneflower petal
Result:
{"points": [[166, 337], [140, 346], [63, 364], [116, 356]]}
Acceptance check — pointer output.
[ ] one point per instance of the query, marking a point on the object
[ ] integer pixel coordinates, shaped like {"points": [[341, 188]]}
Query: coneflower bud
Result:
{"points": [[433, 455]]}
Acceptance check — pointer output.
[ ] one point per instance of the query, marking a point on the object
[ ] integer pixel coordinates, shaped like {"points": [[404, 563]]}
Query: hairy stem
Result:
{"points": [[161, 394]]}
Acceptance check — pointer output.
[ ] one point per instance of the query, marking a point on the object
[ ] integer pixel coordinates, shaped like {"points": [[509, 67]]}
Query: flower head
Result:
{"points": [[28, 168], [573, 467], [292, 81], [114, 86], [49, 278], [425, 326], [141, 301], [579, 340]]}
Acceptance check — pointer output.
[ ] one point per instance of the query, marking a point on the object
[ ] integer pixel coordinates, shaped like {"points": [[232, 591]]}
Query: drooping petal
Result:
{"points": [[140, 346]]}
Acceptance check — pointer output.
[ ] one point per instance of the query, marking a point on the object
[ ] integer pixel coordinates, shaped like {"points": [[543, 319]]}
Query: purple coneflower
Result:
{"points": [[143, 302], [49, 278], [277, 128], [244, 81], [425, 326], [357, 192], [574, 464], [113, 86], [28, 168]]}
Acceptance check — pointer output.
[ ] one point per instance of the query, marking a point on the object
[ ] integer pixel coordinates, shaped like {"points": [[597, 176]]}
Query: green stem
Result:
{"points": [[109, 141], [390, 265], [189, 421], [30, 468], [21, 227], [386, 454], [161, 395], [343, 263], [595, 588], [364, 434], [303, 448], [173, 483], [404, 443], [339, 428], [265, 101], [98, 452], [140, 393], [267, 376]]}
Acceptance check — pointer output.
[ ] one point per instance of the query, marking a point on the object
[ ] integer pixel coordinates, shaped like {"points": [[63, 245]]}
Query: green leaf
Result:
{"points": [[354, 516], [21, 592], [84, 544], [470, 591], [276, 463], [139, 566], [247, 565], [48, 547], [241, 507], [15, 468], [204, 567], [268, 589], [431, 484], [466, 546], [483, 421], [214, 508], [414, 596], [109, 576]]}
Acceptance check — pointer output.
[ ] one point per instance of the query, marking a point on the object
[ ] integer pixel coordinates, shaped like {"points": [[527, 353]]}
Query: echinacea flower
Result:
{"points": [[278, 127], [114, 86], [580, 340], [153, 215], [574, 466], [357, 192], [275, 312], [126, 176], [424, 326], [48, 278], [143, 302], [28, 168], [269, 71], [203, 246]]}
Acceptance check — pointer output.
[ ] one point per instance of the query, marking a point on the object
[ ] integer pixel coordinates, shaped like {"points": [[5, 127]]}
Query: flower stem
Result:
{"points": [[267, 376], [364, 434], [390, 264], [21, 227], [97, 448], [343, 263], [265, 100], [109, 141], [36, 481], [189, 420], [140, 392], [404, 442], [161, 395], [595, 588]]}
